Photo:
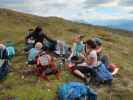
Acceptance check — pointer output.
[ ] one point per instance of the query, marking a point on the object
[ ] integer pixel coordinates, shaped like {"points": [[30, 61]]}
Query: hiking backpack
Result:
{"points": [[10, 52], [32, 54], [3, 53], [61, 48], [75, 91], [48, 45], [103, 74], [4, 68]]}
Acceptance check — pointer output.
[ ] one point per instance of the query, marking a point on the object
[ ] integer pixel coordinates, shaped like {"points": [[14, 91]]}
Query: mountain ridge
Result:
{"points": [[120, 24]]}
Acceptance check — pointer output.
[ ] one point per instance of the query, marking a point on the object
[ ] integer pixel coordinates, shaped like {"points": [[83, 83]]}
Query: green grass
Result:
{"points": [[117, 44]]}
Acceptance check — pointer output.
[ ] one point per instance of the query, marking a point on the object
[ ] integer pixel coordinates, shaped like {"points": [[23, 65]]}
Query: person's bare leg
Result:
{"points": [[78, 73], [82, 76]]}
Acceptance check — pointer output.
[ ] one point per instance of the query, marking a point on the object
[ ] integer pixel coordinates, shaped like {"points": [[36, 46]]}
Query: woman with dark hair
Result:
{"points": [[39, 36], [113, 68], [90, 61], [99, 49]]}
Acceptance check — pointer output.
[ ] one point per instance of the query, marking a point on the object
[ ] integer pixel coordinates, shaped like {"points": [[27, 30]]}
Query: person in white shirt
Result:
{"points": [[90, 61]]}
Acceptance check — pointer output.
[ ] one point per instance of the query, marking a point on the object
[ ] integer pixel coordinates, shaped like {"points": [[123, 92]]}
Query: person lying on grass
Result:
{"points": [[90, 61]]}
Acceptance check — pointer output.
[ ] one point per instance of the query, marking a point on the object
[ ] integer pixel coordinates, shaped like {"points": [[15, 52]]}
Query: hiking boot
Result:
{"points": [[58, 76]]}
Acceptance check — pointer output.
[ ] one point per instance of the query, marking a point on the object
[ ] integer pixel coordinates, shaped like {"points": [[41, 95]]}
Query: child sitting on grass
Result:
{"points": [[33, 53], [46, 66]]}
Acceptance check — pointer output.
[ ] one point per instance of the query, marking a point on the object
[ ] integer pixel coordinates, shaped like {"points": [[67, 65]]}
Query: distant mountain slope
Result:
{"points": [[116, 24], [15, 22]]}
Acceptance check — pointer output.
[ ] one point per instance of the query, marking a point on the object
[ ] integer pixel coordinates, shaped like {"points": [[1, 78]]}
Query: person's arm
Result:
{"points": [[72, 53], [27, 37], [115, 71], [49, 39], [99, 50], [90, 59]]}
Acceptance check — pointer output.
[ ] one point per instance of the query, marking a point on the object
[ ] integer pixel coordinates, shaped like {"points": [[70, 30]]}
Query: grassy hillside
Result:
{"points": [[117, 44]]}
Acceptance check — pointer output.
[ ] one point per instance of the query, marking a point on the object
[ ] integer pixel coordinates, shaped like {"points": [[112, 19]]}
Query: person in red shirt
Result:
{"points": [[46, 66]]}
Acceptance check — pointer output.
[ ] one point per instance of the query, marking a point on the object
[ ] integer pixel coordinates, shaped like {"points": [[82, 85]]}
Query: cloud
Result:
{"points": [[94, 3], [74, 9], [11, 1], [126, 3]]}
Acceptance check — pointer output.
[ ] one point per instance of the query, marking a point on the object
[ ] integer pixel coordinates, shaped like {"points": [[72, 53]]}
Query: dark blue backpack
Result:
{"points": [[4, 68], [75, 91], [103, 74], [3, 53]]}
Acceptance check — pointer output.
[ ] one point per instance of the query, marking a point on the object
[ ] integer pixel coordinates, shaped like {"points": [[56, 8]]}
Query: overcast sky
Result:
{"points": [[75, 9]]}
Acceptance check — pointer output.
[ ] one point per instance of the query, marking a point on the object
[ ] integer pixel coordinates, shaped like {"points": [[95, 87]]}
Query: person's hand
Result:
{"points": [[82, 56], [69, 59], [71, 65]]}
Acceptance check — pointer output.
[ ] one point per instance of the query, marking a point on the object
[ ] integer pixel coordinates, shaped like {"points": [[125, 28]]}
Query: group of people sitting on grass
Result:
{"points": [[83, 59]]}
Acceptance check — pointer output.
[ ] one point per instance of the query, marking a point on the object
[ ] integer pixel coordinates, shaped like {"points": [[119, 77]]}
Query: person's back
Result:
{"points": [[78, 48], [11, 52], [92, 55], [32, 54]]}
